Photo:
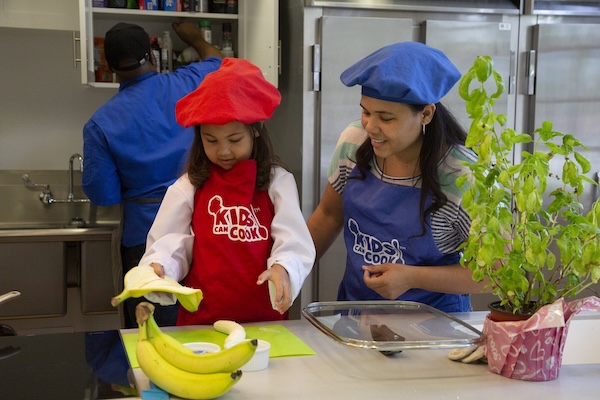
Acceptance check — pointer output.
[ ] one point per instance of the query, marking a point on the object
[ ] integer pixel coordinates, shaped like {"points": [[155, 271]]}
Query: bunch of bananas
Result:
{"points": [[179, 370]]}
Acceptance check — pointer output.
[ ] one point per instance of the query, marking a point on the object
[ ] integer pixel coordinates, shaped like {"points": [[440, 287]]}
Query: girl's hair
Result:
{"points": [[198, 164], [442, 132]]}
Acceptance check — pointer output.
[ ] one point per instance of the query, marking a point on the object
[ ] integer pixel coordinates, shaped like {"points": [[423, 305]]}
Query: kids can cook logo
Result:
{"points": [[237, 222], [373, 250]]}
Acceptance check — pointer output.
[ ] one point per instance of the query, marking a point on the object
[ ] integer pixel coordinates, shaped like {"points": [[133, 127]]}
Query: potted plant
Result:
{"points": [[535, 246]]}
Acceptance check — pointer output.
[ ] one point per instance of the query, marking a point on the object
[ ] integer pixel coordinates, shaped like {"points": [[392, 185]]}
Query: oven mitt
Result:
{"points": [[142, 280]]}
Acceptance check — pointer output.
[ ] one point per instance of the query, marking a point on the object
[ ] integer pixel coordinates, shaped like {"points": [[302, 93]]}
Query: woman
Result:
{"points": [[392, 184]]}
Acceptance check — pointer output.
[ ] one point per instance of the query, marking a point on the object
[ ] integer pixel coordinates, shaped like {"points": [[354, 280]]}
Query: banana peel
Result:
{"points": [[142, 279]]}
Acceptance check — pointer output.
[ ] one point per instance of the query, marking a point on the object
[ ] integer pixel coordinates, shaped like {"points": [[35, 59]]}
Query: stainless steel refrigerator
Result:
{"points": [[319, 39]]}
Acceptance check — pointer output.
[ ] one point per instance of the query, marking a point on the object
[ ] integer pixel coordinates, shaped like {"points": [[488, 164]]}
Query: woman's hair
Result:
{"points": [[198, 164], [442, 132]]}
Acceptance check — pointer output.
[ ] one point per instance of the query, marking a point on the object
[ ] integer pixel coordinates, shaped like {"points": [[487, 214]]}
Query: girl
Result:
{"points": [[232, 222]]}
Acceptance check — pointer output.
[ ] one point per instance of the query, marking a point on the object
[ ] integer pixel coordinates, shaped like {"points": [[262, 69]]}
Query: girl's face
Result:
{"points": [[227, 144], [394, 129]]}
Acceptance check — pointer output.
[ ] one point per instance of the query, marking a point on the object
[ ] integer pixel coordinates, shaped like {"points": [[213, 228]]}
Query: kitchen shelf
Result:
{"points": [[255, 31], [157, 15]]}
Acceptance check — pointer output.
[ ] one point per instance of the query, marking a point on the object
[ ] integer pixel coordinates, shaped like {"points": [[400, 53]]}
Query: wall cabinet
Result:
{"points": [[255, 31], [35, 14]]}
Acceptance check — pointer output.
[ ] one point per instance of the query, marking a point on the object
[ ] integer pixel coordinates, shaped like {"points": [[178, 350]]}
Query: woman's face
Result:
{"points": [[227, 144], [394, 129]]}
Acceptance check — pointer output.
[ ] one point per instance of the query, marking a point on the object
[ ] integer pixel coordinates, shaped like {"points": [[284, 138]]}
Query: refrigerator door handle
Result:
{"points": [[531, 72], [316, 68]]}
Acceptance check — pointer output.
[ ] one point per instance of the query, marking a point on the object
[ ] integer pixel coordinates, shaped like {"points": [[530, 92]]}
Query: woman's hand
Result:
{"points": [[393, 280], [388, 280], [281, 280]]}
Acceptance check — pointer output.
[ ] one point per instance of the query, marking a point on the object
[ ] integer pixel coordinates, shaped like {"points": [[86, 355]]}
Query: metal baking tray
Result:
{"points": [[390, 325]]}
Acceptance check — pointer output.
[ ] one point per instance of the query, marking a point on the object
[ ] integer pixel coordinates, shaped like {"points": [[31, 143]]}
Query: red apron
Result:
{"points": [[232, 226]]}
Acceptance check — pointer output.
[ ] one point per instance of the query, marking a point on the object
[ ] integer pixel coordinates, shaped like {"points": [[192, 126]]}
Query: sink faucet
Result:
{"points": [[76, 156], [46, 196]]}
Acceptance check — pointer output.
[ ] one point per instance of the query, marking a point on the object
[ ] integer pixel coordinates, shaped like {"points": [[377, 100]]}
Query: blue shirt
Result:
{"points": [[134, 149]]}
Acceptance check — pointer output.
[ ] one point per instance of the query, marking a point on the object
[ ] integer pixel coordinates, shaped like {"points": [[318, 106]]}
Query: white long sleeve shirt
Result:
{"points": [[171, 238]]}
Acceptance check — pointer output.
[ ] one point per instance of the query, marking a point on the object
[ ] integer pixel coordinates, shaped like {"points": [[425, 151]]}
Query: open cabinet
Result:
{"points": [[255, 32]]}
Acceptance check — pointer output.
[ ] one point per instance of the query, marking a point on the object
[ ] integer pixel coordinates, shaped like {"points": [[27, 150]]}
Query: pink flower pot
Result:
{"points": [[532, 349]]}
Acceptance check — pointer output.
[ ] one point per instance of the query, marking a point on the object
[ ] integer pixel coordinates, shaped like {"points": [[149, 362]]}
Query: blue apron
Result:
{"points": [[382, 225]]}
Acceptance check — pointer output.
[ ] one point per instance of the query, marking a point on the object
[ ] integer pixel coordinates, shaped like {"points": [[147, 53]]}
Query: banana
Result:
{"points": [[142, 279], [178, 382], [234, 331], [175, 353]]}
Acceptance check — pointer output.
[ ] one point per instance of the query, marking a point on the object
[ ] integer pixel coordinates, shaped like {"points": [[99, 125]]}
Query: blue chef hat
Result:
{"points": [[406, 72]]}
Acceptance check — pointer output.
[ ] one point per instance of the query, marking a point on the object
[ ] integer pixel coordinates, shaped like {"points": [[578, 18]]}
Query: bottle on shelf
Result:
{"points": [[166, 53], [231, 7], [202, 6], [226, 41], [205, 27], [156, 52]]}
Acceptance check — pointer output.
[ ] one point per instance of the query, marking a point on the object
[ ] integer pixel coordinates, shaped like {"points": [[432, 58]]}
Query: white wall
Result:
{"points": [[43, 105]]}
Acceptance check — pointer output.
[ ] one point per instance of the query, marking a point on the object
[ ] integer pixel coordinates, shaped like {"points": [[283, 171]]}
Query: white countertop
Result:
{"points": [[342, 372]]}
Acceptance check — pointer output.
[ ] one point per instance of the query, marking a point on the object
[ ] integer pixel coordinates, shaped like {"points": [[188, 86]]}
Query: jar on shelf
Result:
{"points": [[166, 53], [206, 29]]}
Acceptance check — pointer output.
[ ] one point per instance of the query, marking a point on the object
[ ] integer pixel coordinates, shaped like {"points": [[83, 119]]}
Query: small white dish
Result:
{"points": [[260, 359], [203, 347]]}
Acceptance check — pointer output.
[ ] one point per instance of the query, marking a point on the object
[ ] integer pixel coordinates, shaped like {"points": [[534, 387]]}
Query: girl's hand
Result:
{"points": [[158, 269], [280, 279]]}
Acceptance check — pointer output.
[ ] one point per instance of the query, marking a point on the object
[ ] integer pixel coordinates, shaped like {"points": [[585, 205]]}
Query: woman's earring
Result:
{"points": [[423, 129]]}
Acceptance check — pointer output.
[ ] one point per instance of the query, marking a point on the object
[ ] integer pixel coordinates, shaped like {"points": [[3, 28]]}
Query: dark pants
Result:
{"points": [[164, 315]]}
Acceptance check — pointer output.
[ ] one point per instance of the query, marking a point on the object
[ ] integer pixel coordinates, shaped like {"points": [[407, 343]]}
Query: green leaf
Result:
{"points": [[521, 201], [461, 180], [499, 84], [522, 138], [484, 67], [465, 82], [501, 118], [583, 162], [569, 173]]}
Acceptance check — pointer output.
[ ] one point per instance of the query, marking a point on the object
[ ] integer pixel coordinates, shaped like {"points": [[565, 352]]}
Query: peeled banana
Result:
{"points": [[234, 331], [229, 360], [176, 381], [142, 279]]}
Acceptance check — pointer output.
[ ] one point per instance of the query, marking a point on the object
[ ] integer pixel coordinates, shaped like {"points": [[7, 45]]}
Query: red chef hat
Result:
{"points": [[237, 91]]}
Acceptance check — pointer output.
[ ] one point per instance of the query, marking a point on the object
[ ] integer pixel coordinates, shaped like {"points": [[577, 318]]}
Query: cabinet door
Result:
{"points": [[36, 14], [97, 286], [38, 271]]}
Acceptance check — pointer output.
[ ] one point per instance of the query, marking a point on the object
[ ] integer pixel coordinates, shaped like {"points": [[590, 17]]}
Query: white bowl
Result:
{"points": [[260, 359], [203, 347]]}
